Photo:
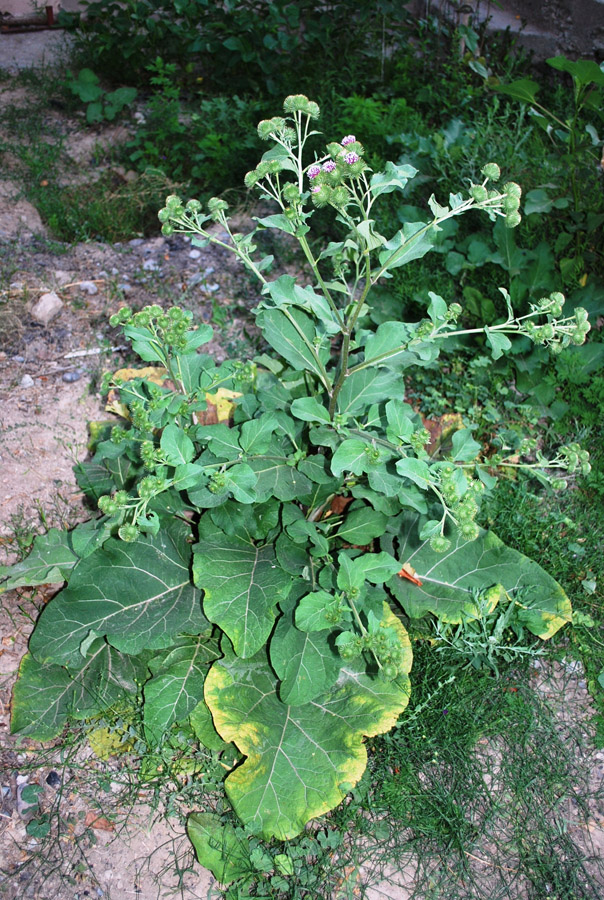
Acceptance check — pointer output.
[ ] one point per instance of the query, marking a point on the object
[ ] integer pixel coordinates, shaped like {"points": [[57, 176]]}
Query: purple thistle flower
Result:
{"points": [[349, 139], [315, 189], [329, 166], [314, 171], [351, 158]]}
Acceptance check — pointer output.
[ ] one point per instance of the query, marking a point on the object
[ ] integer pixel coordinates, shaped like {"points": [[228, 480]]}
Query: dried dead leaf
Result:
{"points": [[93, 820]]}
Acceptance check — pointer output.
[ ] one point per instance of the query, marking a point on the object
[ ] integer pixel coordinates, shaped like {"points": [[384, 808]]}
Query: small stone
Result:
{"points": [[27, 381], [61, 277], [89, 287], [194, 254], [124, 288], [70, 377], [18, 358], [212, 288], [47, 308], [16, 286], [136, 242], [53, 779], [208, 270], [150, 265]]}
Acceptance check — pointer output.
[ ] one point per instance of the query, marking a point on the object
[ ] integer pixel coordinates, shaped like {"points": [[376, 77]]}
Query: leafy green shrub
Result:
{"points": [[219, 129], [100, 104], [314, 521], [248, 42]]}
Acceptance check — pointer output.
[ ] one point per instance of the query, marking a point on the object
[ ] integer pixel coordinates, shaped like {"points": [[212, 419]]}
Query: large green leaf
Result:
{"points": [[524, 90], [584, 71], [284, 291], [362, 525], [177, 685], [307, 663], [301, 760], [219, 847], [450, 581], [45, 696], [368, 386], [413, 241], [51, 561], [277, 479], [242, 584], [139, 595], [291, 333]]}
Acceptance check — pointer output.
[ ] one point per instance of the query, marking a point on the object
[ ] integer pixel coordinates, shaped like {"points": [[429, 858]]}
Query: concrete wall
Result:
{"points": [[548, 27], [28, 7]]}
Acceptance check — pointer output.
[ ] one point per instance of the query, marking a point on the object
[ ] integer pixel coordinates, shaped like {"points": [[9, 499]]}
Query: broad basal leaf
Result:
{"points": [[307, 663], [177, 687], [139, 595], [218, 847], [50, 561], [450, 580], [301, 760], [242, 585], [44, 696]]}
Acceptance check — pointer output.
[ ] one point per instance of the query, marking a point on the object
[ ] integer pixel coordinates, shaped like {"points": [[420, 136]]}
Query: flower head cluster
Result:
{"points": [[557, 333], [328, 179]]}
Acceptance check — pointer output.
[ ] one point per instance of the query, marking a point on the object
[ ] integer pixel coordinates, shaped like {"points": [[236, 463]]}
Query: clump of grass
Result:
{"points": [[107, 209]]}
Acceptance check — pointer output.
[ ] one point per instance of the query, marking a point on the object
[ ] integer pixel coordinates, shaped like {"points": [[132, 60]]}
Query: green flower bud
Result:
{"points": [[513, 219], [167, 229], [510, 204], [291, 193], [193, 206], [173, 202], [470, 531], [388, 672], [559, 484], [491, 171], [512, 189], [268, 127], [251, 179], [340, 197], [321, 195], [439, 543], [478, 193], [215, 204], [557, 302], [163, 215], [300, 103], [581, 315], [128, 533], [141, 319]]}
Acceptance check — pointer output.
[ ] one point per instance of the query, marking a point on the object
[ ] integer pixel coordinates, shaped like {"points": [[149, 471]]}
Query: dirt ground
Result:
{"points": [[49, 374]]}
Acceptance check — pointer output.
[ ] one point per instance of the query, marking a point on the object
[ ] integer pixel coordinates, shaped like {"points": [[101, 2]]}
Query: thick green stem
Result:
{"points": [[308, 254], [347, 332]]}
